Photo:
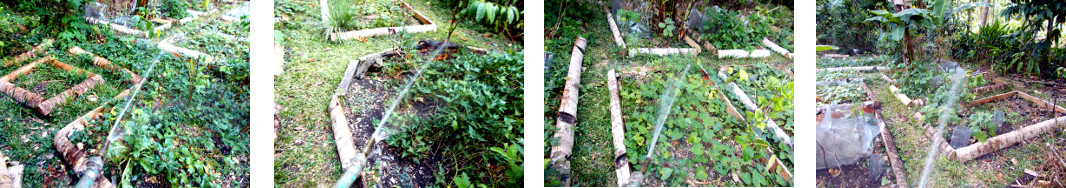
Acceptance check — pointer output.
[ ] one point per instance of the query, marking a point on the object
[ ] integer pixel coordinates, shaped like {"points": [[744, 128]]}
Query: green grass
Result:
{"points": [[313, 69]]}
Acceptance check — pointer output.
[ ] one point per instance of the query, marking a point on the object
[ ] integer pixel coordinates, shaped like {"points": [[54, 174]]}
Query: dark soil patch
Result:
{"points": [[853, 175]]}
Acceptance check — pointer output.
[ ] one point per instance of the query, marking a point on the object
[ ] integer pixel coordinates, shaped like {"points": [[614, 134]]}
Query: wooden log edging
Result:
{"points": [[614, 30], [744, 99], [737, 53], [863, 68], [567, 116], [893, 155], [75, 158], [38, 102], [1001, 141], [106, 64], [776, 48], [621, 162], [342, 133], [1005, 140], [428, 25], [167, 45]]}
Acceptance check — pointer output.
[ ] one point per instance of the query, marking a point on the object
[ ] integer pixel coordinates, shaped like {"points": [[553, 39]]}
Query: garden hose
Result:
{"points": [[92, 171]]}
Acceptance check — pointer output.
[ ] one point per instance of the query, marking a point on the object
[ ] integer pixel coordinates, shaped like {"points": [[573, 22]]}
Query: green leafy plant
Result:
{"points": [[174, 8], [981, 122], [667, 27]]}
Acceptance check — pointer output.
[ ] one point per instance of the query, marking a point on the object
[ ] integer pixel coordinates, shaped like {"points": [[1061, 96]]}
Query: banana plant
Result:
{"points": [[901, 23], [501, 14]]}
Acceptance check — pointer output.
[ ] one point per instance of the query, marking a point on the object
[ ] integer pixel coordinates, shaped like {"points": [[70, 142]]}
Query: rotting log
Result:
{"points": [[428, 25], [743, 53], [614, 30], [1005, 140], [618, 131], [372, 60], [997, 84], [893, 155], [776, 48], [866, 68], [342, 134], [75, 158], [567, 116]]}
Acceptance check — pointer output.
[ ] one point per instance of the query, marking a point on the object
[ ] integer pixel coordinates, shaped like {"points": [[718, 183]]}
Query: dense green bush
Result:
{"points": [[174, 8], [59, 18], [727, 31], [842, 23], [480, 117]]}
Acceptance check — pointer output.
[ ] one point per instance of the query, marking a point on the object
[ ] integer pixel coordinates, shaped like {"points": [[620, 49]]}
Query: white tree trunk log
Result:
{"points": [[614, 30], [867, 68], [776, 48], [567, 116], [664, 51], [743, 98], [743, 53], [618, 131]]}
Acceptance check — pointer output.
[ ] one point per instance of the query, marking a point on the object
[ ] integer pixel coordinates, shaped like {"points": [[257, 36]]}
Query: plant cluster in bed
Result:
{"points": [[480, 118], [188, 128], [728, 29], [699, 141]]}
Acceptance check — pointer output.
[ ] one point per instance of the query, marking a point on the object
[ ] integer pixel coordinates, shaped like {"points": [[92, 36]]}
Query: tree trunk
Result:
{"points": [[621, 162], [567, 116], [984, 16]]}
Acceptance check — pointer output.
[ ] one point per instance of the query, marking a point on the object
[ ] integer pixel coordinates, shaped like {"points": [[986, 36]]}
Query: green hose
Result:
{"points": [[352, 173]]}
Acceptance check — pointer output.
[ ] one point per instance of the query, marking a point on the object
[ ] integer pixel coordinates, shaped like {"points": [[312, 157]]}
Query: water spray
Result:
{"points": [[955, 85], [666, 103]]}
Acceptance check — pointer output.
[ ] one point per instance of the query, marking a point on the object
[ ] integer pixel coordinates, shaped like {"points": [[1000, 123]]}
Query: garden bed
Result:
{"points": [[632, 34], [1018, 130], [368, 87], [424, 24], [31, 83], [701, 130]]}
